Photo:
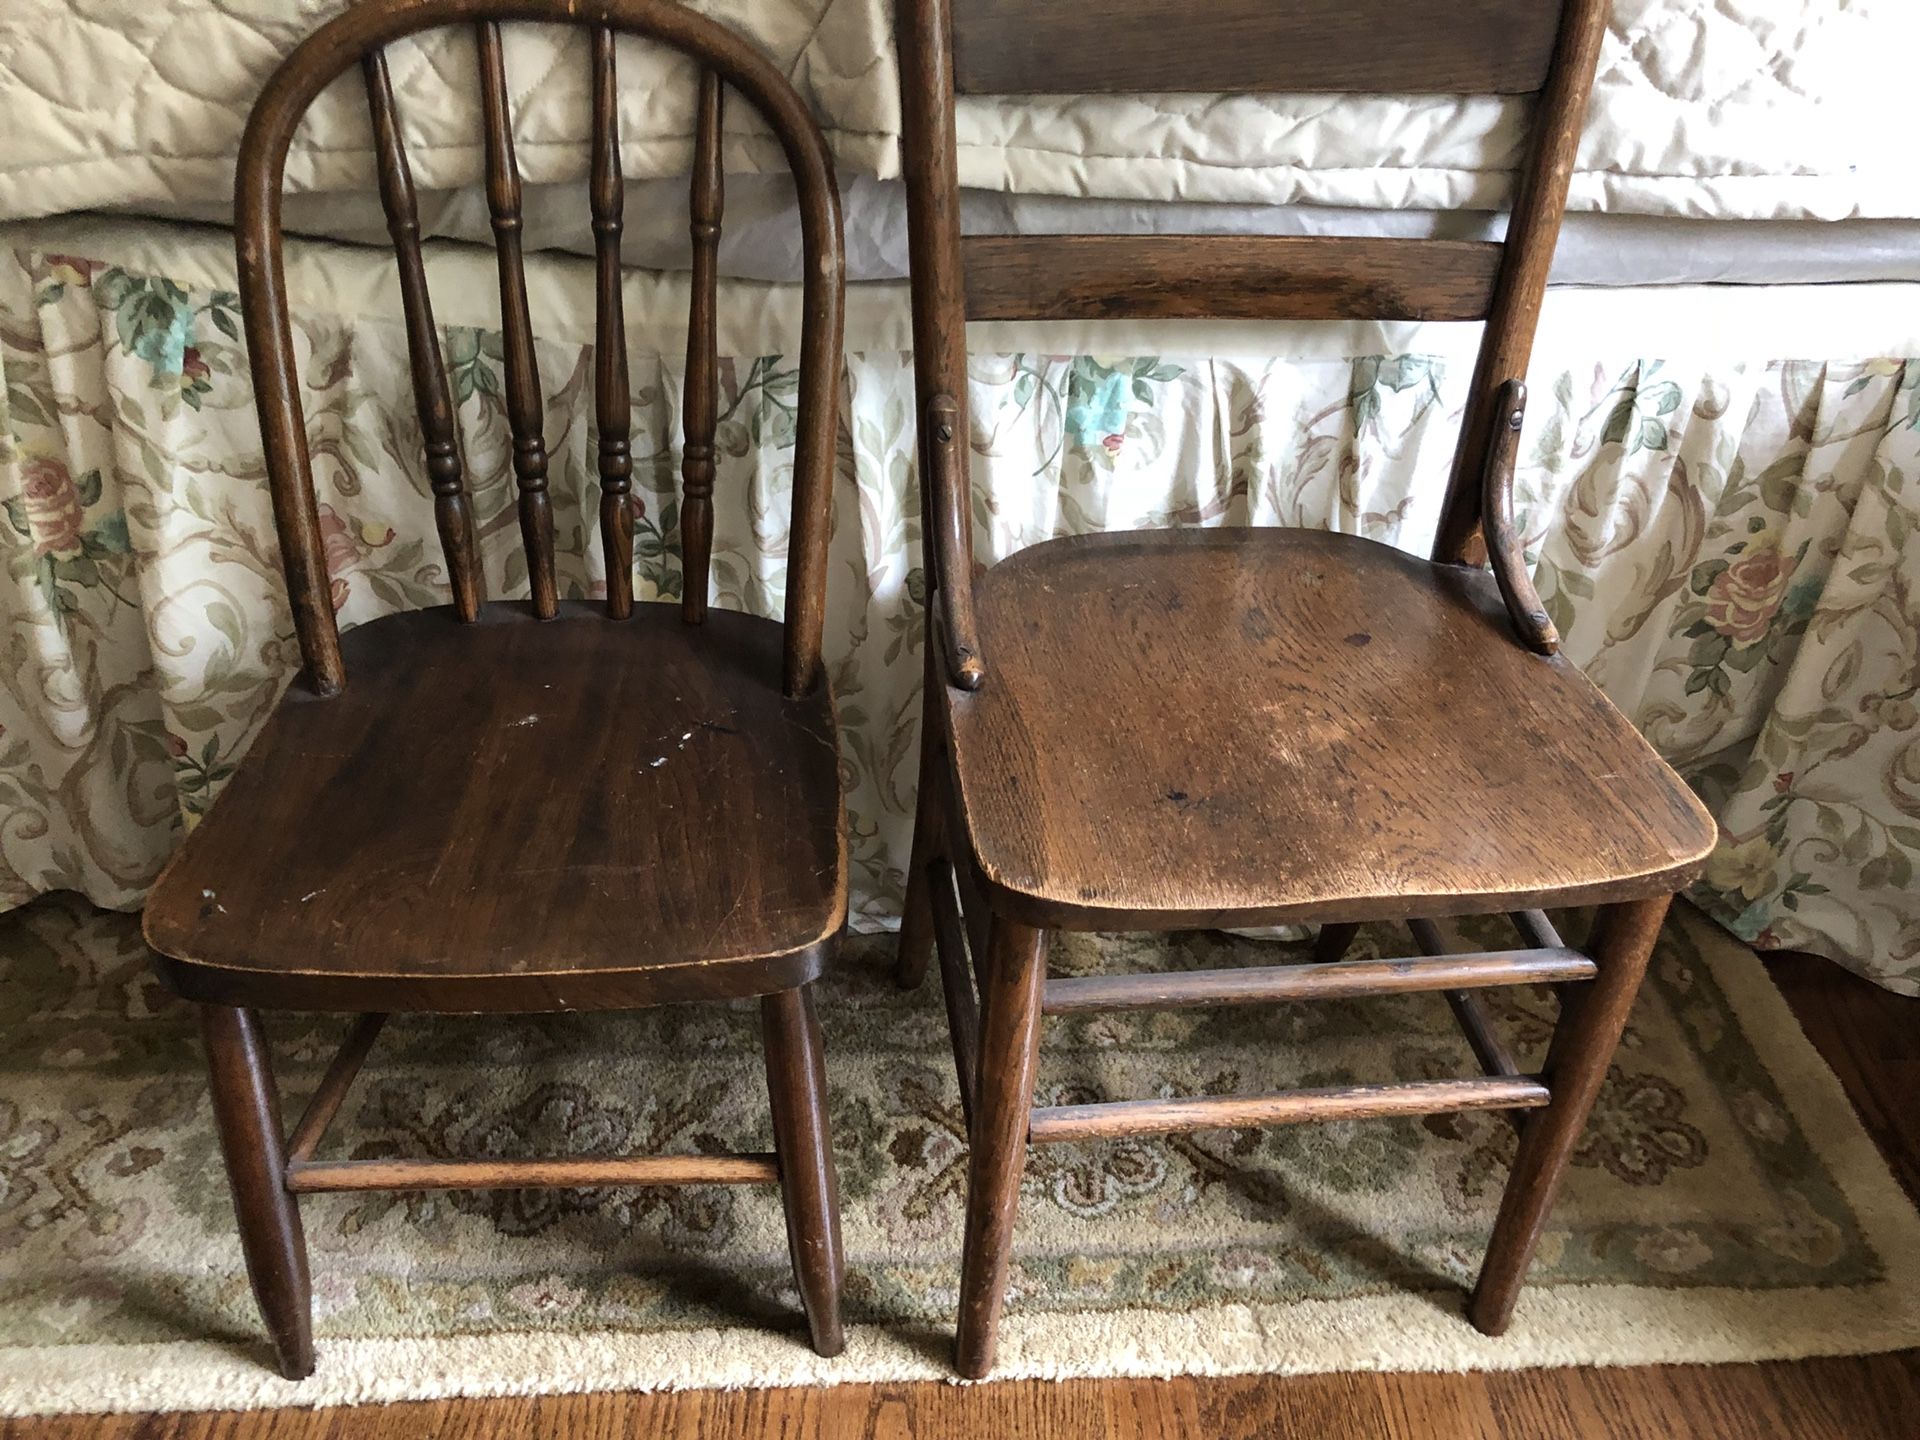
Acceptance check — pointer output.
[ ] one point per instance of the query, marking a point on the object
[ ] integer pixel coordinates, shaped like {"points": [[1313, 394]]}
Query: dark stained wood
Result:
{"points": [[703, 356], [939, 334], [1288, 725], [332, 1089], [797, 1090], [1577, 1059], [1484, 1040], [1489, 1049], [496, 818], [956, 982], [950, 609], [1250, 277], [240, 1081], [525, 409], [1335, 938], [452, 514], [353, 863], [1540, 198], [1016, 973], [343, 43], [1536, 929], [1504, 546], [1054, 1124], [1335, 980], [574, 1172], [916, 916], [1165, 730], [1055, 47], [1488, 1046], [612, 409]]}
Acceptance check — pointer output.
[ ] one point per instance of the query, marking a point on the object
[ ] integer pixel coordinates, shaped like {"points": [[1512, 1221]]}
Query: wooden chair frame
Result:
{"points": [[269, 1173], [991, 946]]}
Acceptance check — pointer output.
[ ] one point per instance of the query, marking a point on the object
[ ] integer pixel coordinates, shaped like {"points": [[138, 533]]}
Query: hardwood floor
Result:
{"points": [[1872, 1040]]}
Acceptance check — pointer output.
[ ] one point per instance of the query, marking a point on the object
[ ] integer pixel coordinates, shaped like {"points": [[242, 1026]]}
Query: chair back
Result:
{"points": [[1545, 48], [358, 37]]}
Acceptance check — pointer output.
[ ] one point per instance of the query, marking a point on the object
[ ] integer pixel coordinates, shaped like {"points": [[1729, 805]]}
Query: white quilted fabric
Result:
{"points": [[1762, 109]]}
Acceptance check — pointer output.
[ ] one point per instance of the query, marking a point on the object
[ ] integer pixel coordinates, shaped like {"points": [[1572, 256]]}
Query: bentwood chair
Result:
{"points": [[1160, 730], [515, 808]]}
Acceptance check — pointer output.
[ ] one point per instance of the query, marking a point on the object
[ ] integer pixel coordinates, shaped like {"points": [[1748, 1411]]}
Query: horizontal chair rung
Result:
{"points": [[1342, 979], [1292, 1107], [1243, 277], [585, 1172]]}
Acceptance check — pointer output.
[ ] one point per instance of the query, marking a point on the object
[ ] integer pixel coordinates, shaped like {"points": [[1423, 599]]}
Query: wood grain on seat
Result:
{"points": [[1197, 727], [514, 815]]}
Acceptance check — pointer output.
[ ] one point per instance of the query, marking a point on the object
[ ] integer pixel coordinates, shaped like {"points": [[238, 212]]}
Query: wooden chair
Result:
{"points": [[526, 807], [1160, 730]]}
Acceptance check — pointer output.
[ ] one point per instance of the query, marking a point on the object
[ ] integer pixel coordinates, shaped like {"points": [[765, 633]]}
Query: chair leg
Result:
{"points": [[1003, 1105], [1333, 942], [797, 1090], [1577, 1060], [916, 921], [245, 1110]]}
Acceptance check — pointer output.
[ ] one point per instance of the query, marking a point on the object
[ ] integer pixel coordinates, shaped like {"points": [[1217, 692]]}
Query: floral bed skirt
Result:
{"points": [[1718, 489]]}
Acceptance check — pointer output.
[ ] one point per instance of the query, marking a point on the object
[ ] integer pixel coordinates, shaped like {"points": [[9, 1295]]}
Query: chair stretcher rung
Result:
{"points": [[1292, 1107], [332, 1089], [583, 1172], [1488, 1048], [1535, 928], [1342, 979]]}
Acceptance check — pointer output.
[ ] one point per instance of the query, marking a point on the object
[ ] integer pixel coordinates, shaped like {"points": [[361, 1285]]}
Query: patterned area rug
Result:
{"points": [[1725, 1204]]}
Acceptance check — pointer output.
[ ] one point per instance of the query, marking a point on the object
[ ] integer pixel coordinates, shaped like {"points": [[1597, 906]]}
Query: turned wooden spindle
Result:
{"points": [[703, 379], [524, 416], [452, 514], [612, 409]]}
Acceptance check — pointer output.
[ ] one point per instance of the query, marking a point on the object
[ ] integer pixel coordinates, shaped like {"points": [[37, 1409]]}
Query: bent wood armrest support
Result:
{"points": [[1504, 549], [954, 595]]}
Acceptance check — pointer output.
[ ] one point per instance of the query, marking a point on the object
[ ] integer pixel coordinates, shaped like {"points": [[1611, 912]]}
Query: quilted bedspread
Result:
{"points": [[1741, 109]]}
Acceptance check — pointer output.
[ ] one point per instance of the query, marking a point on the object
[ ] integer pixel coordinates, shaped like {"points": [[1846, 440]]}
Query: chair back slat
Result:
{"points": [[525, 411], [1244, 277], [950, 47], [702, 398], [612, 408], [1533, 228], [355, 39], [1055, 47], [452, 514]]}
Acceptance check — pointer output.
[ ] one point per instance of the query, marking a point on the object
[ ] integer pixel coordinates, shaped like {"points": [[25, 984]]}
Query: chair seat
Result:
{"points": [[516, 815], [1199, 727]]}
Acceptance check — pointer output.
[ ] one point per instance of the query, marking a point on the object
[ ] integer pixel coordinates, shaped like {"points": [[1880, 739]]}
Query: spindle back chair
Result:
{"points": [[1160, 730], [505, 807]]}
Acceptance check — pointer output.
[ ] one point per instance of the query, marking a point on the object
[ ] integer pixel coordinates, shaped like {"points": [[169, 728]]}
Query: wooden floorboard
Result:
{"points": [[1872, 1040]]}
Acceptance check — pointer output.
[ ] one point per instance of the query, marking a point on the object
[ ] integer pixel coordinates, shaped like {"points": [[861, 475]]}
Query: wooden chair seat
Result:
{"points": [[521, 815], [1292, 725]]}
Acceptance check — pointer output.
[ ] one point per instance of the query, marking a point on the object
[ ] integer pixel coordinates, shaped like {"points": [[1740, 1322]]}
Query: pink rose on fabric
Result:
{"points": [[192, 365], [345, 544], [1743, 598], [54, 512], [72, 270]]}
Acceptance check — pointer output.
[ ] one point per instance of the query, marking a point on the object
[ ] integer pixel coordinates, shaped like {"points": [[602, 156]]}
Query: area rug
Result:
{"points": [[1724, 1205]]}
